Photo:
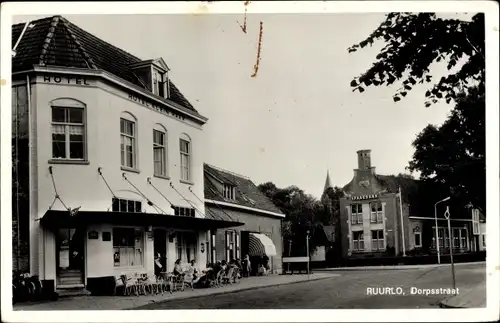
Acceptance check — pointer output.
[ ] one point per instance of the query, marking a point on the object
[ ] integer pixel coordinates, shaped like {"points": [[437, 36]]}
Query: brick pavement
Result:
{"points": [[129, 302]]}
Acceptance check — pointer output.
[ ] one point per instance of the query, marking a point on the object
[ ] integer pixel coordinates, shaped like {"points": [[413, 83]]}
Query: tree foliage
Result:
{"points": [[303, 213], [415, 41], [450, 157], [454, 154]]}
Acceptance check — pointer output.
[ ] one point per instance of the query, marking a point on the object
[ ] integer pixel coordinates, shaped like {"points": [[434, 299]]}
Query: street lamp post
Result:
{"points": [[437, 232], [447, 215], [307, 246]]}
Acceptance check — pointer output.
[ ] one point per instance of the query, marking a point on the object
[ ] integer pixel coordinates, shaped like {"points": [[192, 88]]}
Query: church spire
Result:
{"points": [[328, 182]]}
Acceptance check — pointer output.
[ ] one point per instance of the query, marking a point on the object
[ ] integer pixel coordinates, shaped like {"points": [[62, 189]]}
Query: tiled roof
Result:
{"points": [[247, 193], [57, 42]]}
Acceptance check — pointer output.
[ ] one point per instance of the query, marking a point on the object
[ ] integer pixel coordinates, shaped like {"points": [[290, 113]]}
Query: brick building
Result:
{"points": [[233, 197], [377, 218]]}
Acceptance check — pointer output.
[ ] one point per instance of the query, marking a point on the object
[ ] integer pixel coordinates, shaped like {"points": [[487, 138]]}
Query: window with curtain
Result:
{"points": [[378, 240], [160, 152], [68, 133], [185, 151], [128, 247], [356, 213], [128, 143], [358, 243]]}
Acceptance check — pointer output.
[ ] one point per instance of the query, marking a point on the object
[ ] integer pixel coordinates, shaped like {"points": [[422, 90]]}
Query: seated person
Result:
{"points": [[261, 271], [178, 271]]}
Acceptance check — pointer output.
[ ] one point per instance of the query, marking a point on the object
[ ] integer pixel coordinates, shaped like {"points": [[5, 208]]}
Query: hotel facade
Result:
{"points": [[115, 171]]}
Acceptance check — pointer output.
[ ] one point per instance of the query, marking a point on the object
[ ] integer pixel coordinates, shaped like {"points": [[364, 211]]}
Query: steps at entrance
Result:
{"points": [[68, 291], [70, 280]]}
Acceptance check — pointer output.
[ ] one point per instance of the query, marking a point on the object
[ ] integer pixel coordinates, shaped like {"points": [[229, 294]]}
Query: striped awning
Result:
{"points": [[260, 245], [365, 197]]}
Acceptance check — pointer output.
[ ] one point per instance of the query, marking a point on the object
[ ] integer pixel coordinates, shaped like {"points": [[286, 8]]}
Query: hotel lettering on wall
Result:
{"points": [[65, 79], [154, 106]]}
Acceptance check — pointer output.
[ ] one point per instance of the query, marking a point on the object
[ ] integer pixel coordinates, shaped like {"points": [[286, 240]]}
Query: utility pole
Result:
{"points": [[308, 259], [447, 216]]}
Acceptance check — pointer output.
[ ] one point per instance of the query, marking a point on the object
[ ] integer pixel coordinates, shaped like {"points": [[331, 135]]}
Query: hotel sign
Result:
{"points": [[83, 81], [153, 106], [65, 79]]}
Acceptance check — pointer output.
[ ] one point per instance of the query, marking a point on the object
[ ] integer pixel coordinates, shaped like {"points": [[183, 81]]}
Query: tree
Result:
{"points": [[303, 213], [453, 154], [414, 42]]}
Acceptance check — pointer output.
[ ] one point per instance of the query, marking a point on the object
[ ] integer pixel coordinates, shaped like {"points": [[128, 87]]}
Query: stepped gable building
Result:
{"points": [[114, 171]]}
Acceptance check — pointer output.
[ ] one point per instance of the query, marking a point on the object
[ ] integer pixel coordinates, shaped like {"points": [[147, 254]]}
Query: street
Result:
{"points": [[347, 291]]}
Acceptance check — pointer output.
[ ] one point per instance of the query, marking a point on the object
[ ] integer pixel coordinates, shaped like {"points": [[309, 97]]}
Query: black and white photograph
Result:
{"points": [[169, 157]]}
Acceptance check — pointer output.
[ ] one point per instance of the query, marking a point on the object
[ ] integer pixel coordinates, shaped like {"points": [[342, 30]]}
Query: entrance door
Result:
{"points": [[160, 251], [70, 256]]}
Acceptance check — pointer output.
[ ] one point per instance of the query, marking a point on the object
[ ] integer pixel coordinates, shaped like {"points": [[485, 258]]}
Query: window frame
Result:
{"points": [[377, 216], [419, 234], [360, 241], [161, 130], [357, 218], [118, 202], [134, 138], [229, 191], [186, 211], [137, 232], [188, 157], [67, 125], [380, 239]]}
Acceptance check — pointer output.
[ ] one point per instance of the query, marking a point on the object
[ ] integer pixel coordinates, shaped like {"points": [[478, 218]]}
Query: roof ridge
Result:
{"points": [[88, 59], [228, 172], [48, 39], [104, 41]]}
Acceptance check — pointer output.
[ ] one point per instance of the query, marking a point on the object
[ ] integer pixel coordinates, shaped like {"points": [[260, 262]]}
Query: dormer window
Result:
{"points": [[160, 83], [229, 192], [153, 75]]}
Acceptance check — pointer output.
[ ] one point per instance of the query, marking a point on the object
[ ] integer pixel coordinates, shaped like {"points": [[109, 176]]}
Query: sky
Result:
{"points": [[298, 118]]}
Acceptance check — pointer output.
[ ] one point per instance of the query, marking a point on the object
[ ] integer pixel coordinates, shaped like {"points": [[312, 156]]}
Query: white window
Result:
{"points": [[160, 152], [68, 133], [356, 213], [230, 245], [376, 215], [123, 205], [185, 150], [358, 243], [128, 143], [184, 211], [475, 221], [186, 246], [378, 240], [128, 247], [159, 83], [229, 191], [456, 238]]}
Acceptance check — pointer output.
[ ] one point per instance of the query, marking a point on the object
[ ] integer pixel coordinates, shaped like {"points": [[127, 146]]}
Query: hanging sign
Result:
{"points": [[93, 235], [447, 213]]}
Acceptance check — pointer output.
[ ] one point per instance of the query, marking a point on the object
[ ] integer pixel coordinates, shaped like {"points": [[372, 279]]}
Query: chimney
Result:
{"points": [[364, 159]]}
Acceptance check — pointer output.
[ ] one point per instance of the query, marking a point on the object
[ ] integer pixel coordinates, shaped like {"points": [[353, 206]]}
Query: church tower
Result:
{"points": [[328, 184]]}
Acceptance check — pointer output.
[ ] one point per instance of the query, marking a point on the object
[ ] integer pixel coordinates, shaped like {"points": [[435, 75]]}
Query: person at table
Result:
{"points": [[178, 268], [158, 265]]}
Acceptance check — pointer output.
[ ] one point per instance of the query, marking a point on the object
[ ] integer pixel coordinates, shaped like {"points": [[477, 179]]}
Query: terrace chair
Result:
{"points": [[165, 282], [226, 278], [177, 282], [236, 275], [218, 279], [131, 286]]}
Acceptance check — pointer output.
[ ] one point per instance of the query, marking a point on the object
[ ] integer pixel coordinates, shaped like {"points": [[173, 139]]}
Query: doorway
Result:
{"points": [[70, 256], [160, 251]]}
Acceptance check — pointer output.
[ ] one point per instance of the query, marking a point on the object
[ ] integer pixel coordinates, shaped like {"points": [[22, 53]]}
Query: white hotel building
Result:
{"points": [[115, 163]]}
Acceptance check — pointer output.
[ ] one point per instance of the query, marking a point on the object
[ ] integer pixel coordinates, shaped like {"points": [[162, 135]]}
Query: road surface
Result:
{"points": [[347, 291]]}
